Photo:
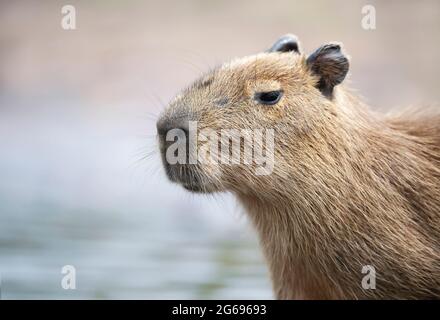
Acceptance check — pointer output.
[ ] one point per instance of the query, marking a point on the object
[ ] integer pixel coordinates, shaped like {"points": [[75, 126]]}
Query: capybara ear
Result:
{"points": [[286, 43], [331, 66]]}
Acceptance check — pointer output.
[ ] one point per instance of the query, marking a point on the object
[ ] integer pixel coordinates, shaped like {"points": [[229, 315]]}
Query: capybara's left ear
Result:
{"points": [[286, 43], [330, 64]]}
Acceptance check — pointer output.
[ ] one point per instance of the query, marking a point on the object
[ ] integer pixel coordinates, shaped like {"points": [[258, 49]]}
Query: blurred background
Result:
{"points": [[81, 182]]}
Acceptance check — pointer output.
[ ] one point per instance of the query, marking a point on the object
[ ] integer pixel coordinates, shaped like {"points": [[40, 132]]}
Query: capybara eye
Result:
{"points": [[269, 97]]}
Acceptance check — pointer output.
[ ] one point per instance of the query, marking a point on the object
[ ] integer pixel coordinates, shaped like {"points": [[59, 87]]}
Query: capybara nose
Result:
{"points": [[166, 124], [173, 130]]}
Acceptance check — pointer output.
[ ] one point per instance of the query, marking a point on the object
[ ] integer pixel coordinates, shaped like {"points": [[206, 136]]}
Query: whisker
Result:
{"points": [[159, 100]]}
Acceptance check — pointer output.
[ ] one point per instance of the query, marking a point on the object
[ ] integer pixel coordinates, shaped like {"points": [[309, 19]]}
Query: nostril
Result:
{"points": [[161, 131], [165, 125], [162, 127]]}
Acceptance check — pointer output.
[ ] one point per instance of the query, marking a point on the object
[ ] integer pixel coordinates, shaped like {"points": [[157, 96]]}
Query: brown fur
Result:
{"points": [[349, 187]]}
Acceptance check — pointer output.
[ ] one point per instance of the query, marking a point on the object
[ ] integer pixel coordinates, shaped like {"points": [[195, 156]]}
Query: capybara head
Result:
{"points": [[244, 124]]}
